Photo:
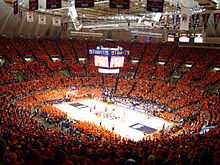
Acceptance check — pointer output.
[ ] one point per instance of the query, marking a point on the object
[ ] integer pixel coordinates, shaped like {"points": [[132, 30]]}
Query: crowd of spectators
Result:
{"points": [[34, 132]]}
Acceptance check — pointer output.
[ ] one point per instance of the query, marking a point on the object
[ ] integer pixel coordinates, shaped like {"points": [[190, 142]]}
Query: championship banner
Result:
{"points": [[174, 19], [200, 20], [120, 4], [178, 19], [33, 5], [170, 20], [155, 5], [84, 3], [15, 7], [211, 21], [64, 27], [185, 16], [64, 24], [205, 18], [20, 14], [56, 21], [42, 19], [30, 17], [195, 20], [164, 20], [216, 19], [211, 25], [53, 4]]}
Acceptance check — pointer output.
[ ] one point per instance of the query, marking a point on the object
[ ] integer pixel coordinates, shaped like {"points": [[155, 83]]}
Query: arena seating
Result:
{"points": [[193, 97]]}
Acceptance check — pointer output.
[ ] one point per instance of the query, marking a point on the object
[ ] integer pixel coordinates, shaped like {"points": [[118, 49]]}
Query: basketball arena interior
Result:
{"points": [[109, 82]]}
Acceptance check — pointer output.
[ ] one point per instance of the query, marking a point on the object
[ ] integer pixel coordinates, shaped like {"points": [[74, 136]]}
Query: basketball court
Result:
{"points": [[126, 122]]}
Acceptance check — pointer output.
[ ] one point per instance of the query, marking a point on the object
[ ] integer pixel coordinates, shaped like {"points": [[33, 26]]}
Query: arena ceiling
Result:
{"points": [[101, 7], [101, 17]]}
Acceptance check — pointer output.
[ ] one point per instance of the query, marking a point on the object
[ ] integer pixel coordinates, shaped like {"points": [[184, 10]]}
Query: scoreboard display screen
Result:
{"points": [[117, 61], [53, 4], [84, 3], [109, 60], [101, 61], [120, 4]]}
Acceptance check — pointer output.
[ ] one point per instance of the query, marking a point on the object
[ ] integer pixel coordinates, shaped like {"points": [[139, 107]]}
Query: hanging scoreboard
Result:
{"points": [[84, 3], [120, 4], [109, 60], [155, 5]]}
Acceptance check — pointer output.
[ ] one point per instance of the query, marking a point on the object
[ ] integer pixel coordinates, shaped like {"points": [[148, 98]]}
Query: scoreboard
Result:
{"points": [[185, 38], [109, 60]]}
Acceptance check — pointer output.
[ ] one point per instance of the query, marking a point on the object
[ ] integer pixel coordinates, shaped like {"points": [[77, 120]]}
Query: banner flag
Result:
{"points": [[205, 18], [42, 19], [216, 19], [56, 21], [20, 13], [185, 17], [195, 20], [64, 27], [15, 7], [30, 17]]}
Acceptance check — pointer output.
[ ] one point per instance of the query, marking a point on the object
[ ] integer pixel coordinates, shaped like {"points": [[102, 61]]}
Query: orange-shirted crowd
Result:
{"points": [[26, 139]]}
